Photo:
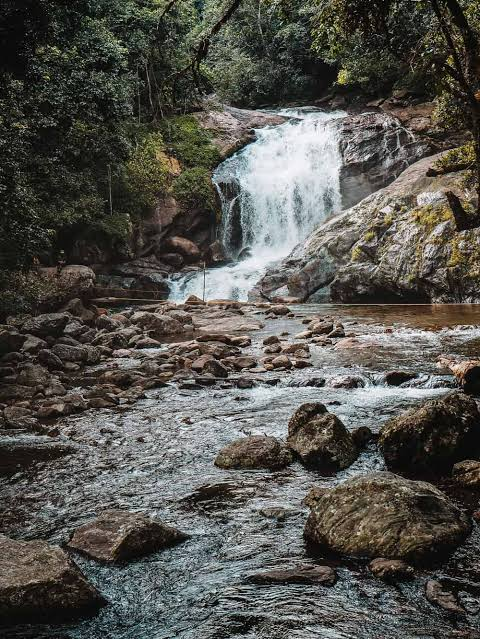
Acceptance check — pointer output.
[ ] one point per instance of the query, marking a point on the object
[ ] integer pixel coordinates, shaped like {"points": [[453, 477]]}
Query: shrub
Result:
{"points": [[189, 143], [194, 189]]}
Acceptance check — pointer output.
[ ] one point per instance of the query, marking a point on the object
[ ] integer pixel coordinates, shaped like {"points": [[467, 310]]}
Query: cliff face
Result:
{"points": [[399, 244]]}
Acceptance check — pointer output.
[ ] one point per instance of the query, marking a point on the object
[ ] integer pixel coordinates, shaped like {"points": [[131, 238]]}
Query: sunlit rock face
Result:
{"points": [[399, 244], [375, 149]]}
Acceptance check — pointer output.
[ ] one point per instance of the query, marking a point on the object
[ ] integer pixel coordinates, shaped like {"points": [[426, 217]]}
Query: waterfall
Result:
{"points": [[274, 193]]}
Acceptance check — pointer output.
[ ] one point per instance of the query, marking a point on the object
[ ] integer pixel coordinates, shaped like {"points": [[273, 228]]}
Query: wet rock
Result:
{"points": [[195, 300], [154, 283], [22, 451], [242, 363], [49, 324], [186, 248], [39, 582], [118, 535], [282, 361], [301, 363], [33, 375], [467, 473], [114, 341], [50, 360], [33, 344], [10, 341], [295, 349], [157, 325], [108, 323], [279, 310], [147, 342], [312, 575], [320, 439], [254, 452], [337, 332], [361, 436], [67, 405], [77, 308], [212, 367], [346, 381], [439, 596], [384, 515], [314, 382], [433, 437], [321, 328], [391, 569], [15, 391], [270, 340], [396, 378], [273, 349], [67, 353], [18, 417]]}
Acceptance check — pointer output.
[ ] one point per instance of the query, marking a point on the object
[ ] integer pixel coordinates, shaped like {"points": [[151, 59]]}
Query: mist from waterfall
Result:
{"points": [[274, 193]]}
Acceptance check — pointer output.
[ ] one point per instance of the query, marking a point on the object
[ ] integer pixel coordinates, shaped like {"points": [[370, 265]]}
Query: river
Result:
{"points": [[157, 457]]}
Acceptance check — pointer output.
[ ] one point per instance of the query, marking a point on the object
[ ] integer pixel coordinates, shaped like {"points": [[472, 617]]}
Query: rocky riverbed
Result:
{"points": [[216, 471]]}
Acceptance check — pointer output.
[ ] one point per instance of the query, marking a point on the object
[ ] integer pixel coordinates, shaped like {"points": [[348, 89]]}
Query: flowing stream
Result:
{"points": [[158, 456], [273, 193]]}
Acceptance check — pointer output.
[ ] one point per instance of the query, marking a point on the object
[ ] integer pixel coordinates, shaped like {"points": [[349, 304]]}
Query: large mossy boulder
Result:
{"points": [[320, 439], [384, 515], [39, 582], [432, 438], [256, 451]]}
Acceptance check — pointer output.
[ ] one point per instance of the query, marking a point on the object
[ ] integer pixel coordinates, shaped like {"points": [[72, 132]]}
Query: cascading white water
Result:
{"points": [[285, 184]]}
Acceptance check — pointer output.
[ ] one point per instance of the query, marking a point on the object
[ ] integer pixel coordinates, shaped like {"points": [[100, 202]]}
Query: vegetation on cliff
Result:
{"points": [[96, 96]]}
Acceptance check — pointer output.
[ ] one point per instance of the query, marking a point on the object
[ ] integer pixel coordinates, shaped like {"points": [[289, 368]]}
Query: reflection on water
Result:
{"points": [[158, 458]]}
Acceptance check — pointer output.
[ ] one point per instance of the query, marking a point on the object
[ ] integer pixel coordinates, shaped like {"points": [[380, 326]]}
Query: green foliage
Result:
{"points": [[27, 292], [147, 172], [263, 55], [193, 189], [189, 143]]}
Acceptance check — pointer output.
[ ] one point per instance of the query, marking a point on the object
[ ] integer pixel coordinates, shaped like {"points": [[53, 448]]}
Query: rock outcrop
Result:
{"points": [[384, 515], [376, 148], [39, 582], [399, 244], [118, 535], [432, 438]]}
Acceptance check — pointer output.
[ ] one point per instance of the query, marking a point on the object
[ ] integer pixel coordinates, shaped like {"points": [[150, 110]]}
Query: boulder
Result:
{"points": [[320, 439], [396, 378], [10, 341], [430, 439], [157, 325], [256, 451], [77, 308], [311, 575], [391, 569], [39, 582], [46, 325], [33, 375], [467, 473], [188, 249], [384, 515], [439, 596], [153, 283], [23, 450], [50, 360], [212, 367], [33, 344], [67, 353], [119, 535]]}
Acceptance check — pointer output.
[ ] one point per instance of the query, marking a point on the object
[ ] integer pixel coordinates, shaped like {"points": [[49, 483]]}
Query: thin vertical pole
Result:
{"points": [[204, 279], [110, 189]]}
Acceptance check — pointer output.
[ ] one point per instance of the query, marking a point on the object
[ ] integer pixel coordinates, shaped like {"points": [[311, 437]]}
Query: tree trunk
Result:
{"points": [[467, 373]]}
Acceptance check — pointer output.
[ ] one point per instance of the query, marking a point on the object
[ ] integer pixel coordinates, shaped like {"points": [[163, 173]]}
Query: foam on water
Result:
{"points": [[284, 185]]}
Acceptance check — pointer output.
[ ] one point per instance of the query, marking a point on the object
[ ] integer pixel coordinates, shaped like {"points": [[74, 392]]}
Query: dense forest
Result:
{"points": [[94, 94]]}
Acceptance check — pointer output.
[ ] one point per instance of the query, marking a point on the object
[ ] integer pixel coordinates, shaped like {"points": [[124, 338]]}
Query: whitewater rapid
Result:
{"points": [[278, 190]]}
